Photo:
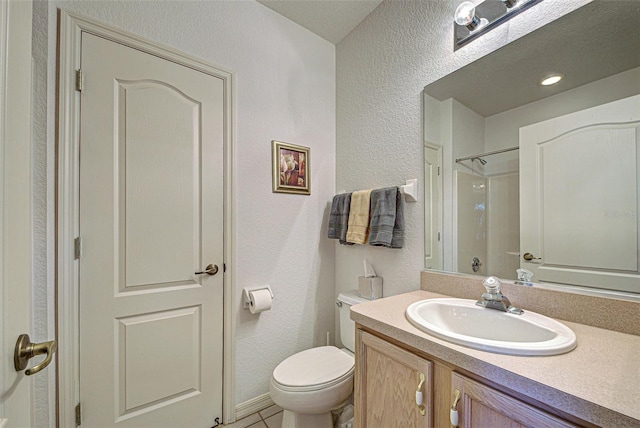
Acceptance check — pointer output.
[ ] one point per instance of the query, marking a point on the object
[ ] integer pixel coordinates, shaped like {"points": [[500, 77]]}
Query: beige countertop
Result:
{"points": [[598, 382]]}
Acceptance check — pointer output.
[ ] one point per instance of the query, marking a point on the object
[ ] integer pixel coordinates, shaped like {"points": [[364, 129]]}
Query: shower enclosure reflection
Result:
{"points": [[487, 211]]}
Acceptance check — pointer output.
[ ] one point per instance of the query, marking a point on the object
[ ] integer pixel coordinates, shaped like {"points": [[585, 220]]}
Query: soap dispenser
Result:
{"points": [[524, 277]]}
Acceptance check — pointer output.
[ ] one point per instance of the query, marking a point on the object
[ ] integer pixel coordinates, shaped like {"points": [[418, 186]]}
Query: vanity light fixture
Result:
{"points": [[510, 3], [466, 15], [471, 21], [551, 80]]}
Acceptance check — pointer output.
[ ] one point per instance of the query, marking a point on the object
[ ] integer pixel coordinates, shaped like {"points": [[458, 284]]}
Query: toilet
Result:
{"points": [[310, 384]]}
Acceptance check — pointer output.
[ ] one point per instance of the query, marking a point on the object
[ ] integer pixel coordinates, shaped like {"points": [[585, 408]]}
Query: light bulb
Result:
{"points": [[466, 15]]}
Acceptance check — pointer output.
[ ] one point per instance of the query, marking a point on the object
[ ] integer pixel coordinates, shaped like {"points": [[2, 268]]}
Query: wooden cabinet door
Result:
{"points": [[387, 378], [481, 406]]}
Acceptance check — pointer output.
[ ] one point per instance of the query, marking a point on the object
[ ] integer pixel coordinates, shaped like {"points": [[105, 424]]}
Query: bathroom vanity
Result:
{"points": [[596, 384]]}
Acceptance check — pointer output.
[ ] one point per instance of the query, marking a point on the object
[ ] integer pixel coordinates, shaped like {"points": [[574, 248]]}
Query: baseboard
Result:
{"points": [[254, 405]]}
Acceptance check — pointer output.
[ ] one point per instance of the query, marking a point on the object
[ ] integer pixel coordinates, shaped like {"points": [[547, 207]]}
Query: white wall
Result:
{"points": [[382, 67], [43, 206], [468, 137], [285, 90]]}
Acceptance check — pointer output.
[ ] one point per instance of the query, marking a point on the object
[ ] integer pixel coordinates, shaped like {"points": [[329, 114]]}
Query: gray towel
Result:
{"points": [[339, 218], [398, 227], [383, 216]]}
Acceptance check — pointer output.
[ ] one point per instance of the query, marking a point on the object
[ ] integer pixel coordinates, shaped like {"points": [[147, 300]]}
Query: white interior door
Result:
{"points": [[15, 202], [579, 202], [151, 216], [433, 208]]}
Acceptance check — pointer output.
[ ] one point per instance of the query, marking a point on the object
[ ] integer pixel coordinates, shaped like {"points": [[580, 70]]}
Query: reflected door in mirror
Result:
{"points": [[579, 197]]}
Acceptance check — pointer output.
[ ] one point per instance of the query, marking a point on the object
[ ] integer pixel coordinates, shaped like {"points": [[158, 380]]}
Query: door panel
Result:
{"points": [[15, 208], [139, 339], [579, 201], [159, 170], [596, 166], [151, 171]]}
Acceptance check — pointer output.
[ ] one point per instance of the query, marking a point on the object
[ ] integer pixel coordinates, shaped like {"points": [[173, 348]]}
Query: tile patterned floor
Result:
{"points": [[271, 417]]}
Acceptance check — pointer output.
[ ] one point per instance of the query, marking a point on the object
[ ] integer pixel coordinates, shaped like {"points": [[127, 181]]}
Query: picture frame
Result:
{"points": [[291, 168]]}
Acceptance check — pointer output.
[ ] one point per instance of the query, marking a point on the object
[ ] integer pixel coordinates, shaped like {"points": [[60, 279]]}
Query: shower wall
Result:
{"points": [[487, 223], [471, 222], [503, 222]]}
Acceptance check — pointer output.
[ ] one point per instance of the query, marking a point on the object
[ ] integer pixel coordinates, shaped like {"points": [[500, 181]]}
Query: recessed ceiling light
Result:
{"points": [[551, 80]]}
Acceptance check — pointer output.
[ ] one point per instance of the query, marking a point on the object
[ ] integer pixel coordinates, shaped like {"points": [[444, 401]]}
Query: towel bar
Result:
{"points": [[409, 190]]}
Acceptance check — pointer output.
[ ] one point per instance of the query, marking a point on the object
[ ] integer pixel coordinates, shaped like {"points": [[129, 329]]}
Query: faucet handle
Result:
{"points": [[492, 285]]}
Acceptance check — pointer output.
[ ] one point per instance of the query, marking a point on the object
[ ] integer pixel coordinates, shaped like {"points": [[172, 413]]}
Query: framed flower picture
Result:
{"points": [[291, 173]]}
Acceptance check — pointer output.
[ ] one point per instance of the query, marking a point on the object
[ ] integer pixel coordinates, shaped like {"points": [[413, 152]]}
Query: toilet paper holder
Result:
{"points": [[245, 294]]}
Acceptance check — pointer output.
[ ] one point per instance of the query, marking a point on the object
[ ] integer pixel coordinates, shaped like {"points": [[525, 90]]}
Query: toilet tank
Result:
{"points": [[347, 325]]}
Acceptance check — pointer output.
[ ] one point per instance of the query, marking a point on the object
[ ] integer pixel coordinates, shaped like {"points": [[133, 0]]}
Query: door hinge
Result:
{"points": [[438, 170], [79, 414], [79, 80], [438, 236], [77, 248]]}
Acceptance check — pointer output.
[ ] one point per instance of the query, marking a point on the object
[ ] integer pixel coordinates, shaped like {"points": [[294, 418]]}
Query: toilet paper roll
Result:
{"points": [[259, 301]]}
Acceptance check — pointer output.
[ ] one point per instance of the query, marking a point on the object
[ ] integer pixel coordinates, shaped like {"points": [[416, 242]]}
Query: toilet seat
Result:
{"points": [[314, 369]]}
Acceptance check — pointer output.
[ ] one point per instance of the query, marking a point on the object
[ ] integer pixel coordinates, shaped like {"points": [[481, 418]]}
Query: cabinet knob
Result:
{"points": [[419, 396], [453, 414]]}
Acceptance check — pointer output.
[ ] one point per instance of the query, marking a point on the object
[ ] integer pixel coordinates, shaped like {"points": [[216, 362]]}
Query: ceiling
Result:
{"points": [[330, 19]]}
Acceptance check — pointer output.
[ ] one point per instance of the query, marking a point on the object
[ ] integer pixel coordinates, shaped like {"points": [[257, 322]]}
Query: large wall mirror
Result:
{"points": [[541, 180]]}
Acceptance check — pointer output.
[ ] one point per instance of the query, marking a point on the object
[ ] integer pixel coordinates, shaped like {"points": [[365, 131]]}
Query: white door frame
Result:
{"points": [[70, 28]]}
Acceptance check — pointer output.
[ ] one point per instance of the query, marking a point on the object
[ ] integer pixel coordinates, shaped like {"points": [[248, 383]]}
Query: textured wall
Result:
{"points": [[382, 67], [285, 89], [43, 324]]}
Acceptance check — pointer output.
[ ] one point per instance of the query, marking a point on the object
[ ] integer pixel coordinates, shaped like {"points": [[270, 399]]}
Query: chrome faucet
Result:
{"points": [[494, 299]]}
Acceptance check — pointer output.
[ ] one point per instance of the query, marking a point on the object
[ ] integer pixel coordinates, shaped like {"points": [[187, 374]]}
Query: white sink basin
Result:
{"points": [[461, 321]]}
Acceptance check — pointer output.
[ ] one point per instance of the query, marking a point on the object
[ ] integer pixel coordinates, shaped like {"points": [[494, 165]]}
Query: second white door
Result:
{"points": [[151, 217], [579, 197]]}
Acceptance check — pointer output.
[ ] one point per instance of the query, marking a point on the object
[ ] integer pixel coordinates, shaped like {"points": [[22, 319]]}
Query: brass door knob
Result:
{"points": [[210, 270], [528, 257], [25, 350]]}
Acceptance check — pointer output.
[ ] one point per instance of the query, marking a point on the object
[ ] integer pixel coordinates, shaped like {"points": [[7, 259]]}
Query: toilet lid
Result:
{"points": [[314, 366]]}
